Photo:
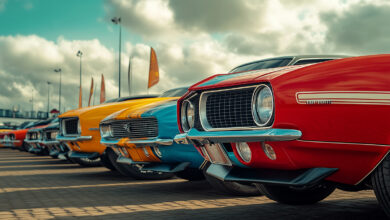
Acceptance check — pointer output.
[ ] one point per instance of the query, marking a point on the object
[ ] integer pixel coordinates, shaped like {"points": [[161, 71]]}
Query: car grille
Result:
{"points": [[71, 126], [230, 108], [135, 128]]}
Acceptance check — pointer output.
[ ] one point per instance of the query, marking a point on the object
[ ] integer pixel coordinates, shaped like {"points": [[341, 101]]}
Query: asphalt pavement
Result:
{"points": [[39, 187]]}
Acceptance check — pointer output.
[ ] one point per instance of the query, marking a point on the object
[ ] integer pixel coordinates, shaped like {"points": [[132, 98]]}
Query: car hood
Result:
{"points": [[137, 111], [232, 79]]}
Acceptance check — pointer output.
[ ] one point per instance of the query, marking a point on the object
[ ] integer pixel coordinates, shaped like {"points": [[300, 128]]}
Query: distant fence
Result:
{"points": [[8, 113]]}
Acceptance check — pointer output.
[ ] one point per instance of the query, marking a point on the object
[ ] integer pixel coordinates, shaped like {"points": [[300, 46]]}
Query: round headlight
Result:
{"points": [[263, 105], [105, 130], [244, 151], [187, 115]]}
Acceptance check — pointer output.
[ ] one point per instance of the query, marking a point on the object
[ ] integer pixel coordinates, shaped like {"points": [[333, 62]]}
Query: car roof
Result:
{"points": [[297, 57]]}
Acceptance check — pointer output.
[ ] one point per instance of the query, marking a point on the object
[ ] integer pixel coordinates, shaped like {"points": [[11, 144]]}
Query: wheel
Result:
{"points": [[85, 162], [135, 171], [191, 174], [106, 161], [381, 184], [233, 188], [292, 196]]}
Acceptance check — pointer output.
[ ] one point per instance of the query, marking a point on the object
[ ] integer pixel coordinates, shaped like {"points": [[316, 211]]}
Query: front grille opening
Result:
{"points": [[135, 128], [71, 126], [230, 108]]}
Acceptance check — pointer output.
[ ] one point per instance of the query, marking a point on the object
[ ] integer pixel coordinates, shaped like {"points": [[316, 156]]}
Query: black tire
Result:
{"points": [[106, 161], [232, 188], [85, 162], [191, 174], [292, 196], [381, 184], [134, 171]]}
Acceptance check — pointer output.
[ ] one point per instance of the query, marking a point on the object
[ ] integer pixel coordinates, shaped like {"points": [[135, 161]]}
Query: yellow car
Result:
{"points": [[79, 129]]}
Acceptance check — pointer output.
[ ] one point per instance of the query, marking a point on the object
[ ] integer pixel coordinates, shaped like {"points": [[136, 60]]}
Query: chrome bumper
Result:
{"points": [[75, 138], [32, 141], [9, 143], [49, 142], [141, 142], [205, 137]]}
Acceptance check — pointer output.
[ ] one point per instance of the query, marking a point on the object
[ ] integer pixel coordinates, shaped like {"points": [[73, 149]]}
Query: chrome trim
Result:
{"points": [[73, 138], [151, 142], [10, 141], [274, 134], [294, 60], [50, 142], [255, 116], [202, 111], [109, 142]]}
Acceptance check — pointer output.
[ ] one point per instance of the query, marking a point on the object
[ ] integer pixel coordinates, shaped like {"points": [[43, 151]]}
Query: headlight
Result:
{"points": [[187, 115], [38, 135], [263, 105], [53, 135], [244, 151], [105, 130]]}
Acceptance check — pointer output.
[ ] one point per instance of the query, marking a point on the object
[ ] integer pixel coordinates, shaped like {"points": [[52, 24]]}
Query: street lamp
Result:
{"points": [[59, 92], [117, 20], [48, 97], [80, 54]]}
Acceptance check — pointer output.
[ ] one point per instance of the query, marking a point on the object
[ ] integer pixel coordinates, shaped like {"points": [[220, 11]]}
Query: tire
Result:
{"points": [[135, 171], [291, 196], [106, 161], [381, 184], [232, 188], [191, 174], [85, 162]]}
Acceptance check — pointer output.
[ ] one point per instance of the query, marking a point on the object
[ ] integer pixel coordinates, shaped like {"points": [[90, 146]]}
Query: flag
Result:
{"points": [[90, 92], [153, 69], [102, 91]]}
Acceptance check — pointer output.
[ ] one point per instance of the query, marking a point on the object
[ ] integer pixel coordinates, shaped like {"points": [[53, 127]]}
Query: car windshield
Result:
{"points": [[262, 64], [175, 92]]}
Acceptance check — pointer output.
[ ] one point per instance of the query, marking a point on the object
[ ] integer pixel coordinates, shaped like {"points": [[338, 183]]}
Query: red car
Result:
{"points": [[297, 132]]}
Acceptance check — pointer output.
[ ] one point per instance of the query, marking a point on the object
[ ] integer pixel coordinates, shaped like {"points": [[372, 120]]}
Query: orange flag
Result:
{"points": [[90, 93], [80, 99], [102, 91], [153, 69]]}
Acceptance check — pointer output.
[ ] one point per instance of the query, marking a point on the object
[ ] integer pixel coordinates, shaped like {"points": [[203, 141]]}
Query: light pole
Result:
{"points": [[117, 20], [59, 92], [48, 97], [80, 54]]}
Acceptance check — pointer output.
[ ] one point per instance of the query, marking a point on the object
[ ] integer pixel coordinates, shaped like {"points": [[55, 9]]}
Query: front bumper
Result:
{"points": [[157, 167], [140, 142], [83, 155], [73, 138], [206, 137], [10, 143]]}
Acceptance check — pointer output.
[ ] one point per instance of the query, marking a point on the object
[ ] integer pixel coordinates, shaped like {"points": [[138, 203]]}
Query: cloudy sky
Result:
{"points": [[193, 39]]}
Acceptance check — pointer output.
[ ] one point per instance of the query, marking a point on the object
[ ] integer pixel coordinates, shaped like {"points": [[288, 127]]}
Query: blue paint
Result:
{"points": [[167, 129]]}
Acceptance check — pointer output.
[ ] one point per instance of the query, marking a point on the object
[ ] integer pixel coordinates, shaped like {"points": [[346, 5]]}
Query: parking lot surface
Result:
{"points": [[39, 187]]}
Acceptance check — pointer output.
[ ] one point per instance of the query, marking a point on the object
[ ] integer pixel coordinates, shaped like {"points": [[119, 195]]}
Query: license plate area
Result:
{"points": [[216, 154]]}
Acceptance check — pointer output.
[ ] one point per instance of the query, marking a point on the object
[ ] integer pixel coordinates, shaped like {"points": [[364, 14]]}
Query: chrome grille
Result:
{"points": [[71, 126], [229, 108], [135, 128]]}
